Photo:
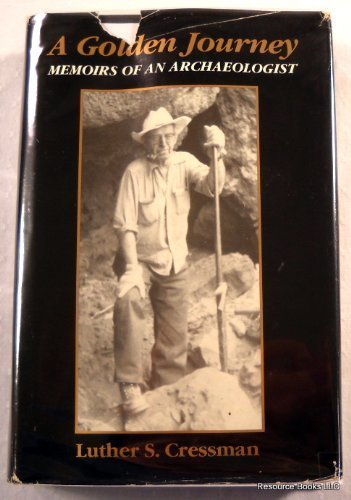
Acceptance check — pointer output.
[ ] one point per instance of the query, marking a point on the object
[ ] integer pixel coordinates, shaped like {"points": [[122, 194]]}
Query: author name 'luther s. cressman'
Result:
{"points": [[172, 450]]}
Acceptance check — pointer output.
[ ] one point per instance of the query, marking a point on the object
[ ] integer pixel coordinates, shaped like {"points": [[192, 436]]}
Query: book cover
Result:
{"points": [[177, 309]]}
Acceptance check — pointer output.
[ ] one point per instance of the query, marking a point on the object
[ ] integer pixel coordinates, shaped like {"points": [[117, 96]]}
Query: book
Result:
{"points": [[177, 303]]}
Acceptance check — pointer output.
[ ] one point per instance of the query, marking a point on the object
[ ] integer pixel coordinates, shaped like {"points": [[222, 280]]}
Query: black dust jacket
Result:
{"points": [[286, 58]]}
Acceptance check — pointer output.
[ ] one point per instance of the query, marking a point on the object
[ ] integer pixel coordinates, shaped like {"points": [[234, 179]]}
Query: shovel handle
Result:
{"points": [[219, 271], [221, 319]]}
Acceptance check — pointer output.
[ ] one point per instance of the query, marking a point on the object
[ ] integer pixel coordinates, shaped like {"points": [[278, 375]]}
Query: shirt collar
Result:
{"points": [[152, 165]]}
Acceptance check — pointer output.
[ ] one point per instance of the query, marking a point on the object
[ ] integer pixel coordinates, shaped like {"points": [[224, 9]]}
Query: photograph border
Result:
{"points": [[78, 431]]}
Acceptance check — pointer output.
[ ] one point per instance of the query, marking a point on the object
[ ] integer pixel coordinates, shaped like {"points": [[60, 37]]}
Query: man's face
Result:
{"points": [[160, 143]]}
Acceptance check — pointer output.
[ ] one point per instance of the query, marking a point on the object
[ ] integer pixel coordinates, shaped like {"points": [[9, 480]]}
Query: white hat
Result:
{"points": [[160, 118]]}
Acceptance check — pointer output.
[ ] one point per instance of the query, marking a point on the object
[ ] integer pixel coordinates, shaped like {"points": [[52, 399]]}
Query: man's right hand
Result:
{"points": [[133, 277]]}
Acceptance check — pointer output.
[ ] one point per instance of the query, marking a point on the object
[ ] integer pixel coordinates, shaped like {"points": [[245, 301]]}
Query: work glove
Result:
{"points": [[133, 277], [214, 138]]}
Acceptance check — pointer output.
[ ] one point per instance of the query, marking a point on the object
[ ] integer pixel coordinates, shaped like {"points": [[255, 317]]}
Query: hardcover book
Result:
{"points": [[177, 308]]}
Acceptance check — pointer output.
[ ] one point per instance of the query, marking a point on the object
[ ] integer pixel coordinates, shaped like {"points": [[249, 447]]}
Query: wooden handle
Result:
{"points": [[221, 319]]}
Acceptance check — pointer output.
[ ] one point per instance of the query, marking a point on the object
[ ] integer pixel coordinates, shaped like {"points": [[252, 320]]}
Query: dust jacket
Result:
{"points": [[177, 307]]}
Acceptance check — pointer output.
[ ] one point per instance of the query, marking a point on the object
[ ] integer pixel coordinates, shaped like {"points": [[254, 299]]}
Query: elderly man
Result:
{"points": [[151, 220]]}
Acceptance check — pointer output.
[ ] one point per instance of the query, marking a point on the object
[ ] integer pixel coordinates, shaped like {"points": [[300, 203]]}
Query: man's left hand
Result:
{"points": [[214, 138]]}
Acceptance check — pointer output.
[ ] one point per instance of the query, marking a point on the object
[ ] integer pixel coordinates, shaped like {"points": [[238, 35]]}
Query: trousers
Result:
{"points": [[169, 300]]}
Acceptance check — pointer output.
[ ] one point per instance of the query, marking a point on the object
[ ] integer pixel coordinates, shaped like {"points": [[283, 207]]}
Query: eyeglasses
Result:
{"points": [[160, 138]]}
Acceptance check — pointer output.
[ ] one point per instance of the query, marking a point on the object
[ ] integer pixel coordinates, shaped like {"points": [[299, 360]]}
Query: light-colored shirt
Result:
{"points": [[154, 203]]}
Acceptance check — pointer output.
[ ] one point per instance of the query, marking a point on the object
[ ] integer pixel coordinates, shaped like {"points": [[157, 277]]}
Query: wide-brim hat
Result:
{"points": [[159, 118]]}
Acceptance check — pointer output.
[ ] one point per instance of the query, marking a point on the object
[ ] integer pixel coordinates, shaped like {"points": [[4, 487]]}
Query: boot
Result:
{"points": [[134, 402]]}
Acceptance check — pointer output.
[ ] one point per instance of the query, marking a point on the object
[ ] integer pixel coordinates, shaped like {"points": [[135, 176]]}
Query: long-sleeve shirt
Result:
{"points": [[154, 203]]}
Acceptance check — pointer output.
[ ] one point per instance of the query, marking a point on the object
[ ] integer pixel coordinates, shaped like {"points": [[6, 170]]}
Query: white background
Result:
{"points": [[12, 33]]}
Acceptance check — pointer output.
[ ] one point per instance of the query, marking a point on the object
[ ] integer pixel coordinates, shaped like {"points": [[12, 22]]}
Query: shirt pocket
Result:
{"points": [[182, 200], [148, 212]]}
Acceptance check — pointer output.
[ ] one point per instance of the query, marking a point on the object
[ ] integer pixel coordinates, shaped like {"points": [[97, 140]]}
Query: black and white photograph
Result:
{"points": [[169, 328]]}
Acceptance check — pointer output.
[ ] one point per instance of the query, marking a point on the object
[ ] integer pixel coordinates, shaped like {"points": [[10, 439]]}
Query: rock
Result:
{"points": [[241, 276], [238, 233], [247, 309], [238, 110], [202, 310], [250, 374], [238, 271], [242, 314], [204, 349], [250, 300], [101, 108], [239, 326], [205, 400], [86, 424], [254, 329], [97, 252]]}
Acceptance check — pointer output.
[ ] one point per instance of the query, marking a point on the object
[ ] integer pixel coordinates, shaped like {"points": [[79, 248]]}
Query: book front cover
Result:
{"points": [[177, 301]]}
